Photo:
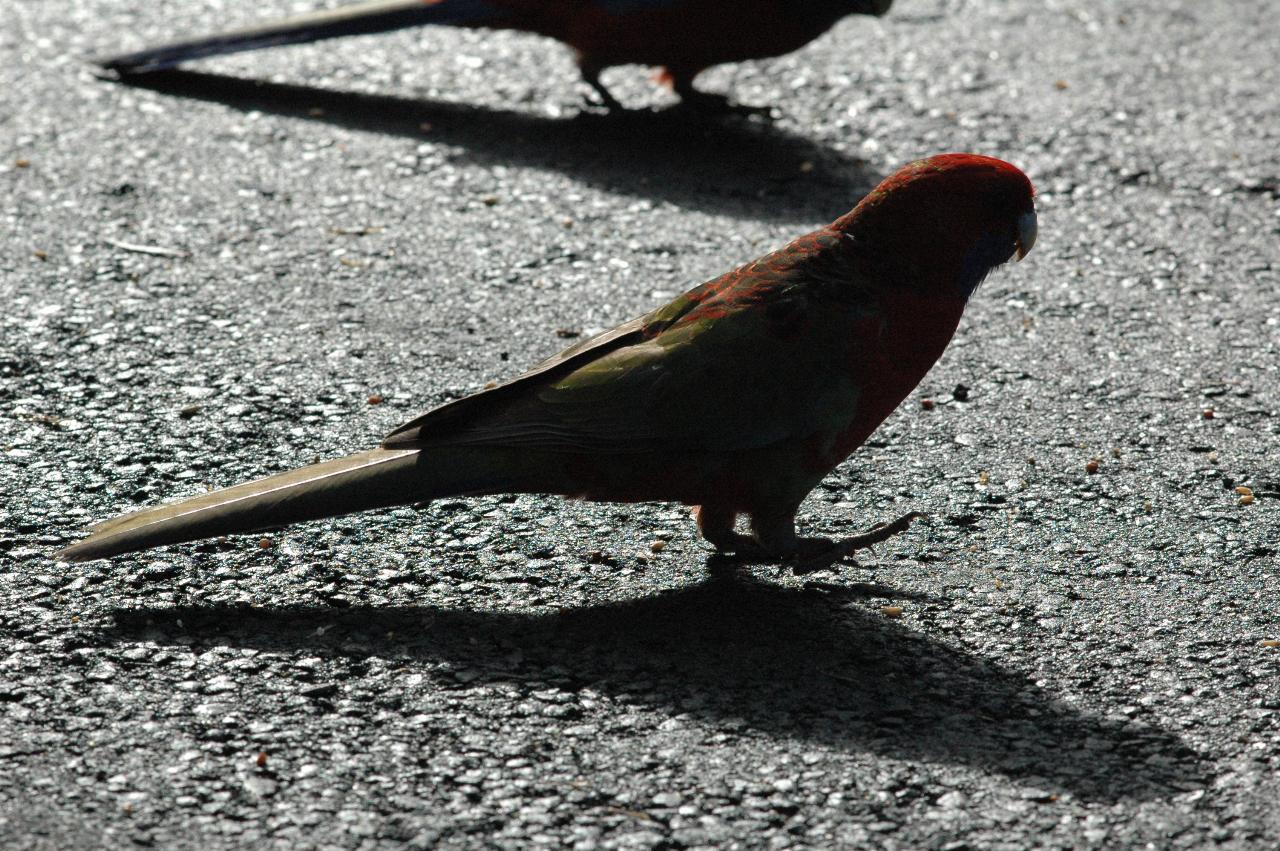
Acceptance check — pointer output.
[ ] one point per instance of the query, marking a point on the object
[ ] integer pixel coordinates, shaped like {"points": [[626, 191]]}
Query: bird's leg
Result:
{"points": [[875, 8], [591, 75], [773, 538], [681, 83], [716, 525], [774, 534]]}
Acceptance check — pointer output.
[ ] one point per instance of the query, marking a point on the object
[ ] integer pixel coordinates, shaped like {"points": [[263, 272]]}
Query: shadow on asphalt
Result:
{"points": [[722, 164], [743, 655]]}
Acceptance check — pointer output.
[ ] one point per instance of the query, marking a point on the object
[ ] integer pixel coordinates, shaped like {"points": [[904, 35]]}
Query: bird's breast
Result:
{"points": [[890, 355], [693, 34]]}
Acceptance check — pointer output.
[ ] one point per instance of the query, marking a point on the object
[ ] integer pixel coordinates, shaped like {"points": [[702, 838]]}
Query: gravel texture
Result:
{"points": [[1085, 653]]}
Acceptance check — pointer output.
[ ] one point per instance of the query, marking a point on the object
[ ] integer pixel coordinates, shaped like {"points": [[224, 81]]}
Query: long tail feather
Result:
{"points": [[374, 479], [360, 18]]}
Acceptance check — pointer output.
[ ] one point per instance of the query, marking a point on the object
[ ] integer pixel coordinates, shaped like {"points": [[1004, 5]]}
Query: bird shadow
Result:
{"points": [[740, 653], [695, 160]]}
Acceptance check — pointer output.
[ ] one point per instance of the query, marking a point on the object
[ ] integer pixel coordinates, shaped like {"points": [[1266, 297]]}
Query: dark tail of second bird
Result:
{"points": [[358, 19]]}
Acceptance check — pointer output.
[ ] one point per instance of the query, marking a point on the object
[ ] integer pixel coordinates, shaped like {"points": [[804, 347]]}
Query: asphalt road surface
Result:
{"points": [[1082, 659]]}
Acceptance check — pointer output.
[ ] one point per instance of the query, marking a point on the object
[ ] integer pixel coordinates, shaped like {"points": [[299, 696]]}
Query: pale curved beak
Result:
{"points": [[1026, 234]]}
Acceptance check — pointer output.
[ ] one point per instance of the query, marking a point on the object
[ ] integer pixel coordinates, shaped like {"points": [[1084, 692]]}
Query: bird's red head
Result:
{"points": [[942, 223]]}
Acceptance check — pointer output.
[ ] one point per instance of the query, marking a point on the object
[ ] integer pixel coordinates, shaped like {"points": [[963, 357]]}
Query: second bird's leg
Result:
{"points": [[681, 83], [591, 75]]}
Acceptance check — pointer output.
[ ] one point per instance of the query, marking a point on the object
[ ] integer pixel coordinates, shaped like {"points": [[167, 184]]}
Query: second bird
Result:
{"points": [[683, 37]]}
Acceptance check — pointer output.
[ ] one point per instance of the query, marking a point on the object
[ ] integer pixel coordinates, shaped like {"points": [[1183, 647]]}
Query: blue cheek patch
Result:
{"points": [[986, 254]]}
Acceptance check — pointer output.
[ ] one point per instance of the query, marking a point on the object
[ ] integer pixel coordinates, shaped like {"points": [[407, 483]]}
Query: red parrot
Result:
{"points": [[684, 37], [737, 397]]}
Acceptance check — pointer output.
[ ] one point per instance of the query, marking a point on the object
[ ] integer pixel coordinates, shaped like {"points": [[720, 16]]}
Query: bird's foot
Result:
{"points": [[706, 103], [816, 554], [604, 98]]}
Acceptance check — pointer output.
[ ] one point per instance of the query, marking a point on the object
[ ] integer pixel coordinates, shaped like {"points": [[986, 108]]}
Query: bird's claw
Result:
{"points": [[838, 550], [809, 555]]}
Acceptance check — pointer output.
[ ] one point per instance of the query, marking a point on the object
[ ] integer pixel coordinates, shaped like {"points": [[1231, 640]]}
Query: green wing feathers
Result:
{"points": [[749, 359]]}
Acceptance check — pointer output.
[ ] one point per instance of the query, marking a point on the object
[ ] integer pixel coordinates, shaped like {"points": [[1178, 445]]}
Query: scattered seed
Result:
{"points": [[1061, 85], [153, 250], [189, 411], [361, 231], [375, 399], [1208, 413], [21, 163], [261, 761], [264, 543], [315, 112], [1247, 499], [567, 333], [1244, 491], [891, 611], [1092, 466], [489, 385], [41, 255], [928, 404], [658, 546], [1271, 642]]}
